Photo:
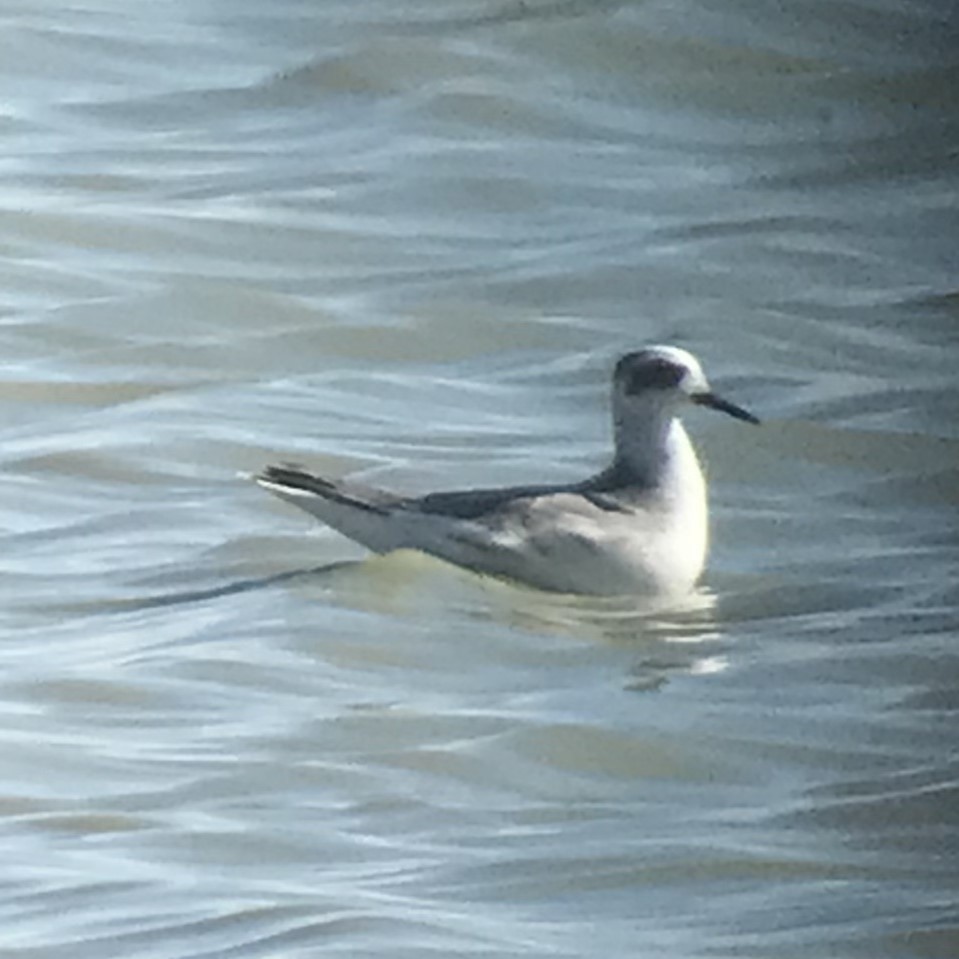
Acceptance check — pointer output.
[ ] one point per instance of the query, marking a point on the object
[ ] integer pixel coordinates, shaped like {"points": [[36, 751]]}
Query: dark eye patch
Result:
{"points": [[653, 374]]}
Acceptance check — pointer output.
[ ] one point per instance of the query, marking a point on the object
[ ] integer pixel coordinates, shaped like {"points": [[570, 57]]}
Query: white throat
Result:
{"points": [[647, 439], [654, 454]]}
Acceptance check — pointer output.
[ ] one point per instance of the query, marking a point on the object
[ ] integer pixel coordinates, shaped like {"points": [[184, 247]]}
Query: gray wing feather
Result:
{"points": [[477, 503], [474, 504]]}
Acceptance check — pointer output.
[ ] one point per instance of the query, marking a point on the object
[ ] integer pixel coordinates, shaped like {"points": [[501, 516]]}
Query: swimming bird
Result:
{"points": [[637, 527]]}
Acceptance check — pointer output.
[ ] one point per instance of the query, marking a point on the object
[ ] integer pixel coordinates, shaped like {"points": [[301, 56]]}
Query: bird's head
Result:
{"points": [[663, 379]]}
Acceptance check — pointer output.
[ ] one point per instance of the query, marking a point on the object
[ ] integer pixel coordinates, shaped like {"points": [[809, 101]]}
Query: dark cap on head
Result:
{"points": [[648, 370]]}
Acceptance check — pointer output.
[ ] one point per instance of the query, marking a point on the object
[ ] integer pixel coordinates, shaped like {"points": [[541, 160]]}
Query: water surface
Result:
{"points": [[407, 240]]}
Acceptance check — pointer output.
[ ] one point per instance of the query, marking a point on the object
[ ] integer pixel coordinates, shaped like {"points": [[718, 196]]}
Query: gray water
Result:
{"points": [[407, 240]]}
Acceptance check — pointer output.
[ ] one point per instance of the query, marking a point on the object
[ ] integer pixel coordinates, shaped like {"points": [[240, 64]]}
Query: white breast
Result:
{"points": [[567, 543]]}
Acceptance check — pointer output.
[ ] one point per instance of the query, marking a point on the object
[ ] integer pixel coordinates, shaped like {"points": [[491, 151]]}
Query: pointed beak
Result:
{"points": [[724, 406]]}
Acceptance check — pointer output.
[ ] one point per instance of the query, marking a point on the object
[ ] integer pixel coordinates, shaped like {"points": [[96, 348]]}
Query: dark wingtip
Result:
{"points": [[294, 478], [283, 474]]}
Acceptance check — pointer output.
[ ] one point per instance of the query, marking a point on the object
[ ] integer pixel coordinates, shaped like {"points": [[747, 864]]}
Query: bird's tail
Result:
{"points": [[364, 514]]}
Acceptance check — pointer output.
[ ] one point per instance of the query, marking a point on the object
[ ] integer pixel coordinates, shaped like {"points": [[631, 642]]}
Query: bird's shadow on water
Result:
{"points": [[238, 587], [188, 597]]}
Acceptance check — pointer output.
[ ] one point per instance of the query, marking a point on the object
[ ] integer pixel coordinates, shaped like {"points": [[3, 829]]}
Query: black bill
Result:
{"points": [[718, 403]]}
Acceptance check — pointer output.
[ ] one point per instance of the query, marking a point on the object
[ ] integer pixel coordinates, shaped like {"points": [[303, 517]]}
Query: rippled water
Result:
{"points": [[407, 239]]}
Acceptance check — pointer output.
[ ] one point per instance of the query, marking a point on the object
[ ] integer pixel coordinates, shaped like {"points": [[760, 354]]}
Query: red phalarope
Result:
{"points": [[637, 527]]}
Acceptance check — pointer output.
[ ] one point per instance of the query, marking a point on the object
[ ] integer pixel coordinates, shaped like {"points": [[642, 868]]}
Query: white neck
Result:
{"points": [[647, 443], [654, 455]]}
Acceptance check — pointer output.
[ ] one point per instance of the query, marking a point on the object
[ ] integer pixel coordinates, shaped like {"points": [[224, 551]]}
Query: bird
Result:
{"points": [[638, 527]]}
